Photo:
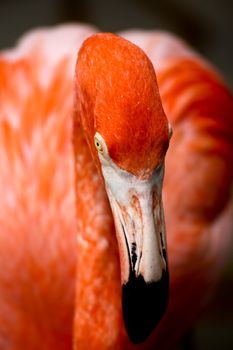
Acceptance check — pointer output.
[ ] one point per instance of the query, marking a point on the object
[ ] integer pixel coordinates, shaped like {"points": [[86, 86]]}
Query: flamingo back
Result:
{"points": [[37, 203]]}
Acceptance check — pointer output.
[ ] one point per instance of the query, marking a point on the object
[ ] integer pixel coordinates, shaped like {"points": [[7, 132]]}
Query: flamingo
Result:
{"points": [[85, 262]]}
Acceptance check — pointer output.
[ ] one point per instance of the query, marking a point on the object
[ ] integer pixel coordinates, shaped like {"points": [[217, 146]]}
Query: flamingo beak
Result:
{"points": [[139, 221]]}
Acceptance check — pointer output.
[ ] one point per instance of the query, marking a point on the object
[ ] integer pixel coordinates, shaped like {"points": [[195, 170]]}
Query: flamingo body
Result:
{"points": [[59, 288]]}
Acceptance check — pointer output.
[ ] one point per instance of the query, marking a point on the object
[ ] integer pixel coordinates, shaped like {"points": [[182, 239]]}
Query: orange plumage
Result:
{"points": [[58, 288], [129, 114]]}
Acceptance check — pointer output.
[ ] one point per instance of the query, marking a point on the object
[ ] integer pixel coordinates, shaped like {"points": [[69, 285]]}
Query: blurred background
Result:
{"points": [[207, 25]]}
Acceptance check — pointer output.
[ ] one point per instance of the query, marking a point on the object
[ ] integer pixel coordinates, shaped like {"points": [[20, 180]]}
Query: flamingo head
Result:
{"points": [[128, 133]]}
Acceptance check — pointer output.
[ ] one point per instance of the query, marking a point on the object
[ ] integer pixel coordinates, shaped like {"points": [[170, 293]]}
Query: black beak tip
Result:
{"points": [[143, 305]]}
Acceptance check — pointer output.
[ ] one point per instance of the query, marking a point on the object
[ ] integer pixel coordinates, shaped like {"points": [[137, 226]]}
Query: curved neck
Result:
{"points": [[98, 292]]}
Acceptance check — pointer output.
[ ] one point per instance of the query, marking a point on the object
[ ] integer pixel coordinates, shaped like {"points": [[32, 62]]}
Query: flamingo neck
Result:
{"points": [[98, 293]]}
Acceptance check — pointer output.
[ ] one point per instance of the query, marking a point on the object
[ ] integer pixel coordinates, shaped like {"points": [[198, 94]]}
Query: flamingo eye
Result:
{"points": [[98, 144]]}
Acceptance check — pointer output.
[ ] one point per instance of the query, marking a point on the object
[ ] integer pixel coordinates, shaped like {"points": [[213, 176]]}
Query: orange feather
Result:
{"points": [[59, 289]]}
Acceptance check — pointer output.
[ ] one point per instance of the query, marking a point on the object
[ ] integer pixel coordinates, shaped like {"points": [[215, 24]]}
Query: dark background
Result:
{"points": [[206, 24]]}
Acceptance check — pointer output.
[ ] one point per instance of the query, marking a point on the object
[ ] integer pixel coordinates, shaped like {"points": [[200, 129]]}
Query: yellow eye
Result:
{"points": [[98, 145]]}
